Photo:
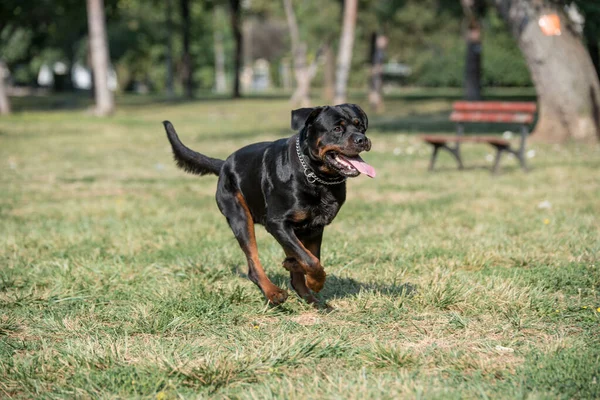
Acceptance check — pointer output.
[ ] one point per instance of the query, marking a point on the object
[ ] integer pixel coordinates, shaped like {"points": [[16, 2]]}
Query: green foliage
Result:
{"points": [[591, 12], [15, 43], [427, 36], [503, 63]]}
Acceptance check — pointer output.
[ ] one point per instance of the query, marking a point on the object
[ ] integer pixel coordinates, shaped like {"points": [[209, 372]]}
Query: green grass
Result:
{"points": [[119, 278]]}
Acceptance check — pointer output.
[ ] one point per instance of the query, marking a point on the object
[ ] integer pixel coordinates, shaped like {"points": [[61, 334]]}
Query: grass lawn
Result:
{"points": [[119, 278]]}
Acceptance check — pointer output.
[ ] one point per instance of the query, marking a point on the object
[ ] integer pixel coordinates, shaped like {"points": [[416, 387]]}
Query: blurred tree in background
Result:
{"points": [[100, 59], [422, 34], [561, 67], [346, 46]]}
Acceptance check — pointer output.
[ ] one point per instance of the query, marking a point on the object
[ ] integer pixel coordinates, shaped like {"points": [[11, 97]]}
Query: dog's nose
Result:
{"points": [[360, 140]]}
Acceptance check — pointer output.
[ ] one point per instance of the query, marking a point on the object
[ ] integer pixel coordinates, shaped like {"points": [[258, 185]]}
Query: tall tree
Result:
{"points": [[378, 45], [345, 51], [301, 70], [169, 43], [562, 71], [473, 10], [100, 59], [4, 102], [220, 79], [187, 67], [236, 27], [328, 72]]}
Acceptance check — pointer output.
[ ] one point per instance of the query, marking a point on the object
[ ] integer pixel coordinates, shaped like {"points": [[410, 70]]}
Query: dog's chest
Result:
{"points": [[322, 208]]}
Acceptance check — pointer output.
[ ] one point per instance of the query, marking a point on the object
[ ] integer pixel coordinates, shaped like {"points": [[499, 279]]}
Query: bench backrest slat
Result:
{"points": [[519, 118], [495, 106], [493, 111]]}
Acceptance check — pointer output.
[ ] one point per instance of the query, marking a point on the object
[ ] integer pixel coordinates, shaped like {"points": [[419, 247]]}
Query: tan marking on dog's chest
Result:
{"points": [[300, 215]]}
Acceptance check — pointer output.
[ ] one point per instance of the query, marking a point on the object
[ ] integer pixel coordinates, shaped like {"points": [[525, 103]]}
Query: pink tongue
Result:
{"points": [[361, 166]]}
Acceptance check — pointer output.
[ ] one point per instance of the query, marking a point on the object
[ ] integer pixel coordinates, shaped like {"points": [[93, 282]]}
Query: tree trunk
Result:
{"points": [[473, 65], [345, 52], [329, 73], [100, 58], [236, 27], [169, 43], [220, 81], [4, 102], [301, 73], [378, 45], [187, 68], [471, 9], [562, 71]]}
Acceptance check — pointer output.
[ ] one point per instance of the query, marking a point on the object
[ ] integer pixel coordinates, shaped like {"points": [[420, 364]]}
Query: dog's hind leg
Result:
{"points": [[235, 209]]}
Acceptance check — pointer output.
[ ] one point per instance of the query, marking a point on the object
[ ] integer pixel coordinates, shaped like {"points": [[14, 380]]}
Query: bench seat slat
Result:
{"points": [[495, 106], [476, 116], [441, 139]]}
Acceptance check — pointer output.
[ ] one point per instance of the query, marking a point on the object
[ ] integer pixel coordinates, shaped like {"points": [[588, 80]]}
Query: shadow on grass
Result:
{"points": [[425, 94], [504, 169], [80, 100], [338, 288], [52, 102]]}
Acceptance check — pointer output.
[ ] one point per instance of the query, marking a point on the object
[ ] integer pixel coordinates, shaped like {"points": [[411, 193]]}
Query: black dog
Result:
{"points": [[293, 187]]}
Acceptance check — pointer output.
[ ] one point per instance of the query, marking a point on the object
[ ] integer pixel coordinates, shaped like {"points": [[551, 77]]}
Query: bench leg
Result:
{"points": [[455, 151], [517, 153], [521, 152], [496, 166], [521, 157], [436, 148]]}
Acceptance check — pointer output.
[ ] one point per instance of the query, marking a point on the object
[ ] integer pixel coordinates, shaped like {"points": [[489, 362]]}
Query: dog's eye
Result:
{"points": [[338, 129]]}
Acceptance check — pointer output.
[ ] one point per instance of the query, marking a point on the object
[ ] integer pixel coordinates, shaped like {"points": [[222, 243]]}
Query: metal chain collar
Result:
{"points": [[310, 175]]}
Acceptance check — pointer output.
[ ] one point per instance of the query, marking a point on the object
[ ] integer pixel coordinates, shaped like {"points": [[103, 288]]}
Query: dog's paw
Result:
{"points": [[276, 296], [316, 280]]}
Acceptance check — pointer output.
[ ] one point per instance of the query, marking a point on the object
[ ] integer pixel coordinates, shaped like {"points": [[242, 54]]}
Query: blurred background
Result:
{"points": [[313, 52]]}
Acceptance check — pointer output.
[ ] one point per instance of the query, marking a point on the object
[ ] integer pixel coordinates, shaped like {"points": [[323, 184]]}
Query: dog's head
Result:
{"points": [[334, 137]]}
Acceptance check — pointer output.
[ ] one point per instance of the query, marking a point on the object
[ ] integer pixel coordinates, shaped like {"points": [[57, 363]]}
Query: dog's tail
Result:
{"points": [[190, 160]]}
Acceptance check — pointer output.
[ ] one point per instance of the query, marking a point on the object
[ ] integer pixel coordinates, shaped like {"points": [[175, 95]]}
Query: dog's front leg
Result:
{"points": [[312, 241], [307, 262]]}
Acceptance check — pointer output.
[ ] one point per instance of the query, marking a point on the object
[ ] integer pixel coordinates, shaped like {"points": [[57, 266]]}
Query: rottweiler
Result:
{"points": [[294, 187]]}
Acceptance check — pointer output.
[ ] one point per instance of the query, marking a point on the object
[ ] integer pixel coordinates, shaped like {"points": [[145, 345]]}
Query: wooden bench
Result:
{"points": [[521, 113]]}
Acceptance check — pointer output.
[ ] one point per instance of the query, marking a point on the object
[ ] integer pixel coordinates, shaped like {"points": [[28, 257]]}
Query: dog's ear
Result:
{"points": [[302, 116], [359, 111]]}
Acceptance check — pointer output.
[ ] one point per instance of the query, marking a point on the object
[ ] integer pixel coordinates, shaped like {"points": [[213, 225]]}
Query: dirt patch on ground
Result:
{"points": [[307, 319]]}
